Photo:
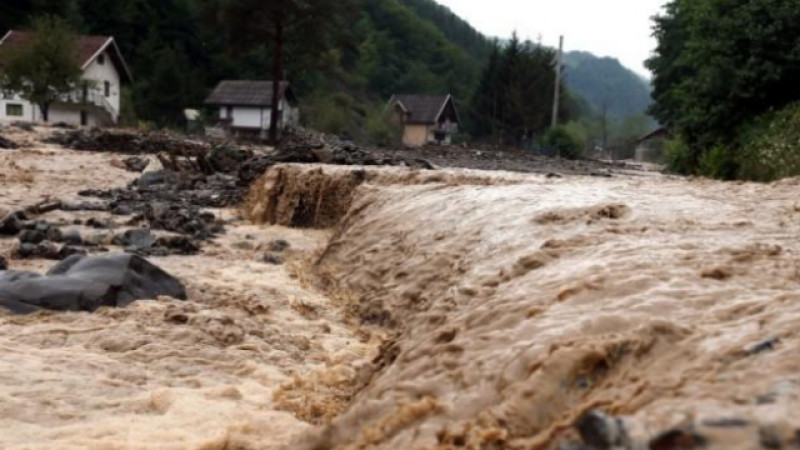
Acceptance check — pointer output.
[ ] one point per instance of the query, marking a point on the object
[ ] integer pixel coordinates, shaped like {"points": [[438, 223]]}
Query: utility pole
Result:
{"points": [[558, 81]]}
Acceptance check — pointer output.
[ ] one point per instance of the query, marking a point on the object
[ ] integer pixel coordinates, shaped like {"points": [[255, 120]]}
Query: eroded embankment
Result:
{"points": [[521, 305]]}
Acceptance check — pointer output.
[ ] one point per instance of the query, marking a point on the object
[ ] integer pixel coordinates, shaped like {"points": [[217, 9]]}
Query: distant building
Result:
{"points": [[96, 103], [245, 107], [426, 119], [651, 147]]}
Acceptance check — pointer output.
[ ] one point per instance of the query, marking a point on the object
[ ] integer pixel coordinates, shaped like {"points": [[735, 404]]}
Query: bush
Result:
{"points": [[678, 157], [718, 163], [330, 114], [383, 129], [563, 142], [770, 146]]}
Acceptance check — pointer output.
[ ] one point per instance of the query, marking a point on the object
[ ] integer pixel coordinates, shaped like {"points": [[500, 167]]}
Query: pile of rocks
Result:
{"points": [[128, 141]]}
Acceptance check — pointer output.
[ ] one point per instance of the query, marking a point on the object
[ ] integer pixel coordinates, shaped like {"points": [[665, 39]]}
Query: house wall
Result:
{"points": [[71, 114], [446, 125], [257, 117], [247, 117], [415, 135], [99, 73], [29, 112], [651, 150]]}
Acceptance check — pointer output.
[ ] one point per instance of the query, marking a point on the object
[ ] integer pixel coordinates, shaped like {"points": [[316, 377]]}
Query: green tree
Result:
{"points": [[514, 98], [46, 68], [565, 141], [720, 64]]}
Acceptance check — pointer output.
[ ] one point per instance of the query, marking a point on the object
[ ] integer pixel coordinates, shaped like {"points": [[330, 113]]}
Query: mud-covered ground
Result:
{"points": [[439, 309], [519, 160]]}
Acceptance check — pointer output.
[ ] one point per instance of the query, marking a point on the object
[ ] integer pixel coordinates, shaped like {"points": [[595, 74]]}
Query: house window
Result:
{"points": [[14, 110], [107, 86], [101, 59]]}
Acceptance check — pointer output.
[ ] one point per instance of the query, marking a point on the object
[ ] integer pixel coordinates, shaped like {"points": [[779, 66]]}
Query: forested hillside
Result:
{"points": [[179, 49], [605, 83]]}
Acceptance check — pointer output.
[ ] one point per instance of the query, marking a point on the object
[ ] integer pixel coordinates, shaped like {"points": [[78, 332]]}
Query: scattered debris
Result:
{"points": [[678, 439], [763, 346], [100, 224], [72, 237], [226, 158], [136, 163], [278, 246], [273, 259], [142, 242], [308, 147], [11, 224], [8, 144], [128, 141]]}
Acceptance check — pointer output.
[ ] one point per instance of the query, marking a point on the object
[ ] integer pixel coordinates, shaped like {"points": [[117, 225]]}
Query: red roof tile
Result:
{"points": [[88, 46]]}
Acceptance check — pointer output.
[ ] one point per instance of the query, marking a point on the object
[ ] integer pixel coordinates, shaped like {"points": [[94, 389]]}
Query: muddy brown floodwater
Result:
{"points": [[441, 309]]}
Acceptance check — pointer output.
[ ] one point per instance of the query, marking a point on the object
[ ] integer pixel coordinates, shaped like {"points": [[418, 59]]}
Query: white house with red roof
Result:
{"points": [[97, 103]]}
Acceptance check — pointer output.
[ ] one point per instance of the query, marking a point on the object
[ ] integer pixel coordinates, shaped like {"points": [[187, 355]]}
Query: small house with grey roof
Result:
{"points": [[426, 119], [245, 107]]}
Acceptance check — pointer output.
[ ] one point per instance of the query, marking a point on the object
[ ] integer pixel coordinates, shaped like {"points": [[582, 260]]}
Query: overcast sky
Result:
{"points": [[619, 28]]}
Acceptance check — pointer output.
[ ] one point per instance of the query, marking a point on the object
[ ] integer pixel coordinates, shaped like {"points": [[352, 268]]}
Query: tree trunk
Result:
{"points": [[277, 78], [45, 108]]}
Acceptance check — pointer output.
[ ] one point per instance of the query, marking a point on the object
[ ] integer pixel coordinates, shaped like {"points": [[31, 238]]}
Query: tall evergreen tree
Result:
{"points": [[514, 98]]}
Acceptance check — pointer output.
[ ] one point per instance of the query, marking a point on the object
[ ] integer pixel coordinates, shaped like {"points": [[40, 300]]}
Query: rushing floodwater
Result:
{"points": [[510, 306], [520, 307]]}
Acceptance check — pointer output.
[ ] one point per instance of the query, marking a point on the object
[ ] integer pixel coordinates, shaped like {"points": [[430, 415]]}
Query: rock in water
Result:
{"points": [[602, 432], [10, 225], [81, 283], [154, 174], [3, 264], [8, 144]]}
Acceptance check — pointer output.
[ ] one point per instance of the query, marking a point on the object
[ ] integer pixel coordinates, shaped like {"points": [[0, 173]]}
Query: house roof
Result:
{"points": [[89, 48], [658, 132], [247, 93], [422, 109]]}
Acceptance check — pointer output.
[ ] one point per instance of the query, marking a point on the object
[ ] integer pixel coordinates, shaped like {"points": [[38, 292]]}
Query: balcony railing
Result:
{"points": [[90, 98]]}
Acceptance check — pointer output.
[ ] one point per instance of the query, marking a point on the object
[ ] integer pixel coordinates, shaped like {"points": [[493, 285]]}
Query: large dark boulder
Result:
{"points": [[82, 283], [10, 224], [8, 144]]}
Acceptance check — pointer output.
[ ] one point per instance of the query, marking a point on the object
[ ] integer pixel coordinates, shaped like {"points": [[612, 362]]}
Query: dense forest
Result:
{"points": [[371, 49], [725, 83]]}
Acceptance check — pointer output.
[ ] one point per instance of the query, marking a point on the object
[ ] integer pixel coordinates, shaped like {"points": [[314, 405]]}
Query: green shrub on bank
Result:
{"points": [[719, 163], [383, 128], [770, 147], [678, 157], [336, 113], [767, 149], [563, 142]]}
